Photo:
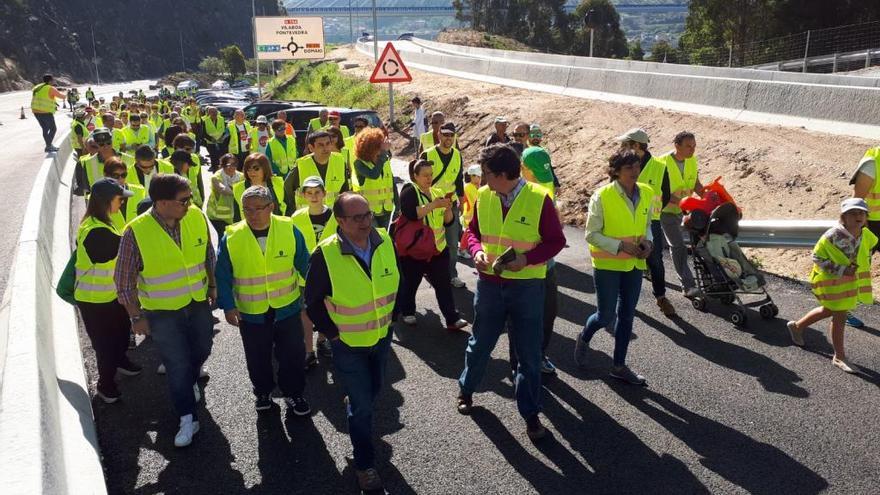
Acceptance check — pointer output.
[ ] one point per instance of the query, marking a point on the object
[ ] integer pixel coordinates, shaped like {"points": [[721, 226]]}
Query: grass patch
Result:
{"points": [[326, 84]]}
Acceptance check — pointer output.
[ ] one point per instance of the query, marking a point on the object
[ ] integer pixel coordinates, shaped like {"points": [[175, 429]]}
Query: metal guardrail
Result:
{"points": [[833, 60], [782, 234]]}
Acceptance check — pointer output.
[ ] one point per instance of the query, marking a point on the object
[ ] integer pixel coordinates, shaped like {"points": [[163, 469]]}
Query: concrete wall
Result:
{"points": [[48, 442], [837, 99]]}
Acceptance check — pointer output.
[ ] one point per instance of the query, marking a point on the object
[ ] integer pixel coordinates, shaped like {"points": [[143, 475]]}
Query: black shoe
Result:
{"points": [[324, 348], [128, 368], [311, 359], [299, 405], [263, 402], [534, 429], [465, 403], [108, 393]]}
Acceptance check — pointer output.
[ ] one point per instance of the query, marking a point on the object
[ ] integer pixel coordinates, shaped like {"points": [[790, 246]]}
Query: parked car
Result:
{"points": [[220, 84], [299, 118], [241, 84], [227, 109], [188, 85], [406, 36], [266, 107]]}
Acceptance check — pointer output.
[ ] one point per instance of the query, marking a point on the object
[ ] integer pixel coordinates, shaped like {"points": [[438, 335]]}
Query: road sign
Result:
{"points": [[390, 68], [289, 38]]}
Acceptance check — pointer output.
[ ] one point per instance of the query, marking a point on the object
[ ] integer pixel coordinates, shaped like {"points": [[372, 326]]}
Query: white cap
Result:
{"points": [[475, 169]]}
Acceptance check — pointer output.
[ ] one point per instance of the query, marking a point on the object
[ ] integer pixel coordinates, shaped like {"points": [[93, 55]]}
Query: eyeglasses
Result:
{"points": [[519, 134], [120, 175], [258, 209], [103, 143], [360, 218], [184, 201], [255, 167]]}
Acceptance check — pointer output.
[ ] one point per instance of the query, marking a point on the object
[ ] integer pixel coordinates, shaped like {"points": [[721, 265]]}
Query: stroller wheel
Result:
{"points": [[738, 317], [766, 311], [699, 303], [775, 309]]}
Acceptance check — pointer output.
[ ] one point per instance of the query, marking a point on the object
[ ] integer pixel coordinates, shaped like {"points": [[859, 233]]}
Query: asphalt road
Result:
{"points": [[23, 154], [727, 410]]}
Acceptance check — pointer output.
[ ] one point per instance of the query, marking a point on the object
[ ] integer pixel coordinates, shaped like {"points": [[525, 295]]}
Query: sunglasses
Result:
{"points": [[120, 175], [519, 134], [183, 201], [103, 142], [360, 218]]}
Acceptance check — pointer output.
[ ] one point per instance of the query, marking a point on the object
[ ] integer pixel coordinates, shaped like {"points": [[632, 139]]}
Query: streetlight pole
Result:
{"points": [[95, 53], [589, 22], [375, 34], [182, 60], [350, 23], [256, 55]]}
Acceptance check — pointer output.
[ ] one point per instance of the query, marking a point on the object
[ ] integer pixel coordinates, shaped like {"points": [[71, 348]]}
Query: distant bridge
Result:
{"points": [[448, 11]]}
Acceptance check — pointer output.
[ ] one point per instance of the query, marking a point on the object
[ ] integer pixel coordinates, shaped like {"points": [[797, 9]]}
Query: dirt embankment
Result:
{"points": [[469, 37], [773, 172]]}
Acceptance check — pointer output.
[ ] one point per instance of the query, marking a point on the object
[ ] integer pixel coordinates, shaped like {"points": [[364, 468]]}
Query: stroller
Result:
{"points": [[721, 271]]}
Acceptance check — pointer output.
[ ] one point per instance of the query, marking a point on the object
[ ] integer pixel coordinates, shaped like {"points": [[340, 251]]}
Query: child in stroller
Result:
{"points": [[721, 269]]}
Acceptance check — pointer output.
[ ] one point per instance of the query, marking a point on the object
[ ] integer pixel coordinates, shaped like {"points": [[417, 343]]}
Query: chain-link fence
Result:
{"points": [[842, 48]]}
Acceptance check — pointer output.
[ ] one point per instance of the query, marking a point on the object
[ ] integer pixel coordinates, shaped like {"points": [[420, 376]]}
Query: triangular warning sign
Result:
{"points": [[390, 68]]}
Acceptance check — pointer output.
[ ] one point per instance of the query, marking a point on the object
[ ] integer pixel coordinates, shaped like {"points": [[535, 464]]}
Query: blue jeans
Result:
{"points": [[184, 339], [362, 371], [655, 260], [453, 237], [47, 124], [520, 302], [620, 290]]}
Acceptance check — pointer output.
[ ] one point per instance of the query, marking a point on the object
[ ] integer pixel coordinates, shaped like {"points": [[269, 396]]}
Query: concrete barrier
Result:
{"points": [[48, 442]]}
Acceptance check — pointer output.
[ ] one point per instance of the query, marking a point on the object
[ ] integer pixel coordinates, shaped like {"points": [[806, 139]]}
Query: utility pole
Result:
{"points": [[182, 60], [590, 22], [256, 56], [350, 23], [375, 34], [95, 53]]}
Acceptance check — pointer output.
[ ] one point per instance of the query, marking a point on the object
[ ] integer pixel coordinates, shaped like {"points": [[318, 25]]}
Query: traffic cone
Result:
{"points": [[22, 117]]}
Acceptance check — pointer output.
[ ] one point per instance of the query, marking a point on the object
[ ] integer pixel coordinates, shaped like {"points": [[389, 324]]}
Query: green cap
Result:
{"points": [[537, 160]]}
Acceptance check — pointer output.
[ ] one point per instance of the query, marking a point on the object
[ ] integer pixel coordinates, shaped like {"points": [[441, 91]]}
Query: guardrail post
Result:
{"points": [[834, 67], [806, 51], [867, 58]]}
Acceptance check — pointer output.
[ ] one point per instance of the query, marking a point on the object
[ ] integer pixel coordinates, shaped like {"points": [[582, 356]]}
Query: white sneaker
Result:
{"points": [[196, 392], [160, 370], [457, 283], [409, 319], [844, 365], [188, 428]]}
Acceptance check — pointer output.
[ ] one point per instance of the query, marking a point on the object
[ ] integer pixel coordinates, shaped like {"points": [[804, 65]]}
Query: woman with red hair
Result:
{"points": [[373, 172]]}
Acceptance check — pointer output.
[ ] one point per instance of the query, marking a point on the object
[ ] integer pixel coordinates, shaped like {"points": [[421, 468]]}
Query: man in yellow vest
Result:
{"points": [[319, 122], [239, 137], [135, 134], [653, 173], [446, 162], [260, 262], [43, 106], [260, 135], [146, 166], [281, 150], [431, 138], [350, 293], [94, 164], [513, 234], [866, 186], [322, 162], [165, 279], [336, 121], [215, 132], [683, 176]]}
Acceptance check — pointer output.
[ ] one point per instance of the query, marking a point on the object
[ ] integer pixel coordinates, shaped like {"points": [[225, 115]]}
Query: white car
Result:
{"points": [[187, 85], [220, 84]]}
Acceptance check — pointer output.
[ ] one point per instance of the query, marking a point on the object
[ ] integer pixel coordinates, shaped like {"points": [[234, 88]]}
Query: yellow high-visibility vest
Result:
{"points": [[518, 230], [234, 137], [261, 280], [445, 182], [283, 156], [620, 223], [652, 175], [41, 102], [350, 149], [315, 124], [873, 197], [303, 222], [843, 293], [162, 167], [133, 139], [173, 276], [220, 207], [467, 210], [680, 185], [95, 168], [333, 182], [277, 186], [379, 192], [435, 217], [94, 281], [121, 218], [213, 129], [361, 305]]}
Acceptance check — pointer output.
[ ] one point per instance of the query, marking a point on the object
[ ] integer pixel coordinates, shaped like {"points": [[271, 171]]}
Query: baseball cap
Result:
{"points": [[635, 134], [536, 158], [475, 169], [312, 181], [102, 134], [262, 119], [535, 131], [108, 188], [447, 128], [853, 204], [501, 119], [333, 115]]}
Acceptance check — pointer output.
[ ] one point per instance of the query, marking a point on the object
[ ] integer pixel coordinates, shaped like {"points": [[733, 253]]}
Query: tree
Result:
{"points": [[213, 66], [234, 60], [635, 50], [608, 38], [662, 51]]}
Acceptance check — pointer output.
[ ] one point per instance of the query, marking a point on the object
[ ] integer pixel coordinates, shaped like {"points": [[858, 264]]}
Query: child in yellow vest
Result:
{"points": [[841, 276]]}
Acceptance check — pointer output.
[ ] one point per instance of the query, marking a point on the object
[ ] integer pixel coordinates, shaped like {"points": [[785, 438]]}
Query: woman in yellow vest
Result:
{"points": [[619, 237], [316, 222], [373, 174], [115, 169], [419, 202], [221, 202], [841, 277], [257, 172], [105, 320]]}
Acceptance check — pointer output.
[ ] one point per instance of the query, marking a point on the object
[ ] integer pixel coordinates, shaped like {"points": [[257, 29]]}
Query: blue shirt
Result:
{"points": [[223, 276], [366, 255]]}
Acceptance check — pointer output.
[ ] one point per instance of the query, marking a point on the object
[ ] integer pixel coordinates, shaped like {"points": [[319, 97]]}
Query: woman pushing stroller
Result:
{"points": [[841, 276]]}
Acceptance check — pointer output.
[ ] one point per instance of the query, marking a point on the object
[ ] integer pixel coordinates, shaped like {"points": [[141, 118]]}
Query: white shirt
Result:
{"points": [[419, 121]]}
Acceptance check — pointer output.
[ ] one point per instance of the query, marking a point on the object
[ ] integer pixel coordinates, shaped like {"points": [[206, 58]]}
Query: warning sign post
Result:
{"points": [[390, 69]]}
